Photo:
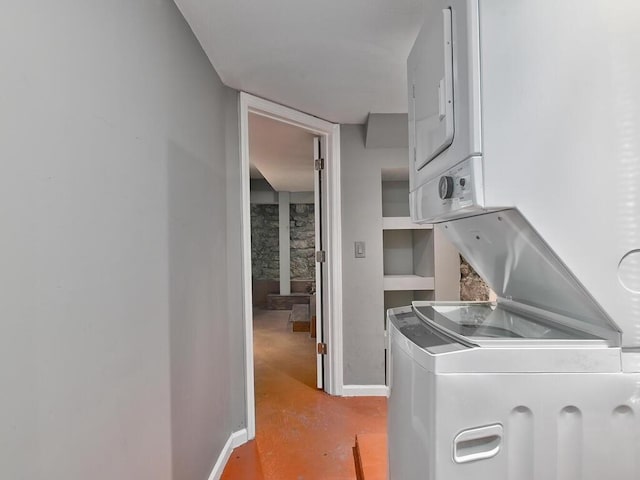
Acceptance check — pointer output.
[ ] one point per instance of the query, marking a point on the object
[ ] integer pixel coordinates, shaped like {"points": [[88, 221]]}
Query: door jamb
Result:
{"points": [[333, 295]]}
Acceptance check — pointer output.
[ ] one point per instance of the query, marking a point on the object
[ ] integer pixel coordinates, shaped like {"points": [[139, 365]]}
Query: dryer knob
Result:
{"points": [[445, 187]]}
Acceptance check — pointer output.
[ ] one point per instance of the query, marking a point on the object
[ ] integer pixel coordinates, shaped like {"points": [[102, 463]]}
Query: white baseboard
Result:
{"points": [[365, 391], [235, 440]]}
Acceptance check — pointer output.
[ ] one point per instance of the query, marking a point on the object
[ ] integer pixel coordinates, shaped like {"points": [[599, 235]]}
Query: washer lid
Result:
{"points": [[486, 324], [523, 271]]}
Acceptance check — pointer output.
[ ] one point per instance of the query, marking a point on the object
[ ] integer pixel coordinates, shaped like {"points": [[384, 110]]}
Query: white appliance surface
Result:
{"points": [[524, 130], [496, 420], [546, 110], [481, 322], [525, 272]]}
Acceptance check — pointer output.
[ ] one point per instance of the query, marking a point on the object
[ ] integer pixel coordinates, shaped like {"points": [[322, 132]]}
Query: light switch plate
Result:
{"points": [[360, 249]]}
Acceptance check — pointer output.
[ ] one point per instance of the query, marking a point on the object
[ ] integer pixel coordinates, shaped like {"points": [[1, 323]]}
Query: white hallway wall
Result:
{"points": [[363, 295], [119, 258]]}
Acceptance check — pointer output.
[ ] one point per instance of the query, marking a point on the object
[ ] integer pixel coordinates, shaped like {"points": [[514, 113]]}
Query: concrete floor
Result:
{"points": [[301, 432]]}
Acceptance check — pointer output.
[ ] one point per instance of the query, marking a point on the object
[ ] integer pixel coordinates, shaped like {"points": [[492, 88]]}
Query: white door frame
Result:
{"points": [[333, 294], [319, 146]]}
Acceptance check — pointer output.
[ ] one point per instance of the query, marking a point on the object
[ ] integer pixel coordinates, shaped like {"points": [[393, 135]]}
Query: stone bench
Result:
{"points": [[276, 301]]}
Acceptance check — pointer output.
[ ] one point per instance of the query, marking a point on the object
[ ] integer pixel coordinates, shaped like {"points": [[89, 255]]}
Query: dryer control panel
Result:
{"points": [[458, 191]]}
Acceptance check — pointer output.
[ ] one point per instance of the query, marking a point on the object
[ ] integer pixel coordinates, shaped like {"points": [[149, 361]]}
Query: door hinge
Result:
{"points": [[321, 256], [322, 349], [413, 90], [319, 163]]}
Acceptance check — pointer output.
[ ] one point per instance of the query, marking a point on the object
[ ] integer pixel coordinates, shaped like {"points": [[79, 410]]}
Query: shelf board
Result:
{"points": [[403, 223], [407, 282]]}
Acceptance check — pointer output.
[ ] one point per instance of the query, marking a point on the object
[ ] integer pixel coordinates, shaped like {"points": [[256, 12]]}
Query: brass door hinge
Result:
{"points": [[322, 349]]}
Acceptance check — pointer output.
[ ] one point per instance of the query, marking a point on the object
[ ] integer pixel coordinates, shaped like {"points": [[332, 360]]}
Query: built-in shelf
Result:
{"points": [[407, 282], [408, 252], [403, 223], [413, 255]]}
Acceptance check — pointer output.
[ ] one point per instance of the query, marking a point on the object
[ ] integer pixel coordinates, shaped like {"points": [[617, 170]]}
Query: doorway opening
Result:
{"points": [[285, 235], [309, 273]]}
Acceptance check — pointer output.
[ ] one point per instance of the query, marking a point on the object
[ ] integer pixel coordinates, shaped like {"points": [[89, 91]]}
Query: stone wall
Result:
{"points": [[472, 286], [265, 241], [302, 234]]}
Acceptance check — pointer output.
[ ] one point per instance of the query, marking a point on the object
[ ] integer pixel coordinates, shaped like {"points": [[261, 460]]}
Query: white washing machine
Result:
{"points": [[510, 390], [518, 408]]}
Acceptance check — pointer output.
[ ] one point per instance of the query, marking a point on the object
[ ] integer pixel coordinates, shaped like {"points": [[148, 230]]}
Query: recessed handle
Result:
{"points": [[477, 443]]}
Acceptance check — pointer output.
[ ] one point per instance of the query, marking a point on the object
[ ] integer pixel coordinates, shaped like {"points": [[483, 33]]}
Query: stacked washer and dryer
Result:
{"points": [[524, 121]]}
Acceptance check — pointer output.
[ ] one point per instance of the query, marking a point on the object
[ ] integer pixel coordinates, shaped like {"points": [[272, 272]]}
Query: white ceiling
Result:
{"points": [[335, 59], [281, 153]]}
